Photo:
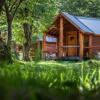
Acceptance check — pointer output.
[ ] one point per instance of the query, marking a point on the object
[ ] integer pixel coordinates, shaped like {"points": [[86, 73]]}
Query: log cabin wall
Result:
{"points": [[49, 48], [96, 41], [86, 46], [71, 38], [96, 44], [69, 42]]}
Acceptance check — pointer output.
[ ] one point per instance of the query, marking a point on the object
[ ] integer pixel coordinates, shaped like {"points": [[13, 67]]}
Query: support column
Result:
{"points": [[90, 46], [61, 37], [81, 43], [44, 45], [58, 47]]}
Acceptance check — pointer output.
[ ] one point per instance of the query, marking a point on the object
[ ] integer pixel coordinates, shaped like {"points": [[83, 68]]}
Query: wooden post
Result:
{"points": [[58, 47], [81, 43], [90, 46], [44, 45], [61, 37]]}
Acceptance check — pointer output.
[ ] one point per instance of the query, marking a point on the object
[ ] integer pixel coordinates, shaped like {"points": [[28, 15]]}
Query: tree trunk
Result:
{"points": [[9, 39], [15, 50], [26, 52], [9, 33], [28, 34]]}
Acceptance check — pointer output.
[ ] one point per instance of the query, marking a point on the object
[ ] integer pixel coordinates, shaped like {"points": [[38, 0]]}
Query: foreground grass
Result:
{"points": [[50, 80]]}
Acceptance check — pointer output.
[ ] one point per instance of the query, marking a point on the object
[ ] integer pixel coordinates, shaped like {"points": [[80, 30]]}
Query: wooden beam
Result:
{"points": [[57, 47], [81, 43], [90, 45], [70, 46], [61, 37], [96, 47]]}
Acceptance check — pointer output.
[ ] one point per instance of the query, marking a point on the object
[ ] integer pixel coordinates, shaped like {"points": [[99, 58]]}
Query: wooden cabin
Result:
{"points": [[50, 52], [75, 37], [36, 47]]}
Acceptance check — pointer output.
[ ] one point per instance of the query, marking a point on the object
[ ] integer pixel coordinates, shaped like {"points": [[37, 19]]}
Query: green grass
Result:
{"points": [[49, 80]]}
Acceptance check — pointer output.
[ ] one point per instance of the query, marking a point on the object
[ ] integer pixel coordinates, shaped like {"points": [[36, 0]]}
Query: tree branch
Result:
{"points": [[8, 13], [13, 5], [17, 7], [6, 9]]}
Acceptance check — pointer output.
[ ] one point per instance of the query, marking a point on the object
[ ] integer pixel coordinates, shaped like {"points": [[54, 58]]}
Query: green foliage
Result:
{"points": [[38, 54], [81, 7], [49, 79], [18, 35]]}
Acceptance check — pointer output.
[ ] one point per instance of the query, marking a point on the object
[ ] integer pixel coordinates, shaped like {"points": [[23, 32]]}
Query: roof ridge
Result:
{"points": [[83, 23], [88, 17]]}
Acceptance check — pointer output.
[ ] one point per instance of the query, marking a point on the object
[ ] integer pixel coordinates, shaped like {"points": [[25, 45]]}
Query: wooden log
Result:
{"points": [[81, 43], [58, 47], [96, 47], [61, 37], [90, 45], [71, 46]]}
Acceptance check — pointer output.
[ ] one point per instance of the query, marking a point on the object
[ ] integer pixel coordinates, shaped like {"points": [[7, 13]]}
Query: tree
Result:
{"points": [[27, 27], [28, 37], [94, 8], [81, 7], [11, 7], [36, 16]]}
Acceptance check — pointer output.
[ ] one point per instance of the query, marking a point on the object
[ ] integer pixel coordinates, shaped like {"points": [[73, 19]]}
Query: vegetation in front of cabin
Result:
{"points": [[50, 80]]}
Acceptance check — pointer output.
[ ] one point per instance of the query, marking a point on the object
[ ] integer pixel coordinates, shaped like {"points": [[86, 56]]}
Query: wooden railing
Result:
{"points": [[50, 48], [54, 47], [71, 46], [76, 46], [92, 47]]}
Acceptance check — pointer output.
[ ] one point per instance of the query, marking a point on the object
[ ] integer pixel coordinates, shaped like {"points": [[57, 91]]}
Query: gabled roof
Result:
{"points": [[85, 24]]}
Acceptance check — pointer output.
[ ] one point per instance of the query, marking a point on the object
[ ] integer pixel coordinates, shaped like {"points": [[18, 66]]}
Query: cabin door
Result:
{"points": [[72, 41]]}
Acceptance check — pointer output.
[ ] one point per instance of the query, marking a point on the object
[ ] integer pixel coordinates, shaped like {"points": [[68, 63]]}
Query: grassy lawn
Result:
{"points": [[52, 80]]}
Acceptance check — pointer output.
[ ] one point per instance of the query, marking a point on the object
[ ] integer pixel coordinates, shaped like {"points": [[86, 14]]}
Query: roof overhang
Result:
{"points": [[72, 22]]}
